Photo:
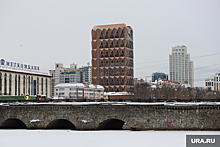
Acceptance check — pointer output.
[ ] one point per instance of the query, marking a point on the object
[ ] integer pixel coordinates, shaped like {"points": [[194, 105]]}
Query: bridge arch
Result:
{"points": [[112, 124], [13, 123], [61, 124]]}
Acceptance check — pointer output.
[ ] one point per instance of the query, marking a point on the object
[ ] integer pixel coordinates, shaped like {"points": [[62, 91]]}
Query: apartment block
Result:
{"points": [[180, 66]]}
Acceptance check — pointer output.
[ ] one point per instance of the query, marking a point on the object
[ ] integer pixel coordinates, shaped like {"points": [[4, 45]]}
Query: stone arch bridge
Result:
{"points": [[110, 116]]}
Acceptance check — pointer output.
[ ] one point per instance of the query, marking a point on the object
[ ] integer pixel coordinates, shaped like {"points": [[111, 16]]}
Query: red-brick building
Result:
{"points": [[112, 57]]}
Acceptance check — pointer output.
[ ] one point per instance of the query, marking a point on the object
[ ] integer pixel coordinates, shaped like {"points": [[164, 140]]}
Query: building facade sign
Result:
{"points": [[18, 65]]}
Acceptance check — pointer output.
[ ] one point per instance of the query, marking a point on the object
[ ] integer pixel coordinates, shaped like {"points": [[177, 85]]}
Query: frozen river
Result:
{"points": [[69, 138]]}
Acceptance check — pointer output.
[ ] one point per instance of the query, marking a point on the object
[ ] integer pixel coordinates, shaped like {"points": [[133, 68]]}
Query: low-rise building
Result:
{"points": [[160, 82], [213, 83], [18, 79], [157, 75], [79, 91]]}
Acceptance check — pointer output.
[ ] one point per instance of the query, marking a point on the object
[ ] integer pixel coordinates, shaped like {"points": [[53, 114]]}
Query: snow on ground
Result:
{"points": [[69, 138]]}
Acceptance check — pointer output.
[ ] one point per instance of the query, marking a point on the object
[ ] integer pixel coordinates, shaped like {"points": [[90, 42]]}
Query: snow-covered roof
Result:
{"points": [[80, 85], [116, 93], [153, 86], [25, 71]]}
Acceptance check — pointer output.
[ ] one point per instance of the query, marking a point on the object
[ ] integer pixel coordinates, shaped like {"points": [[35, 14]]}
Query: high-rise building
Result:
{"points": [[157, 75], [180, 66], [112, 57], [87, 71]]}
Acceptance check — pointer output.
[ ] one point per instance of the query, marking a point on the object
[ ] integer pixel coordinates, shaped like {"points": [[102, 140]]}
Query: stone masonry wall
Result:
{"points": [[137, 117]]}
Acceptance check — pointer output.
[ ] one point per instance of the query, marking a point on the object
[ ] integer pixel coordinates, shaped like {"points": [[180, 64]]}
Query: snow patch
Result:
{"points": [[86, 121], [34, 120]]}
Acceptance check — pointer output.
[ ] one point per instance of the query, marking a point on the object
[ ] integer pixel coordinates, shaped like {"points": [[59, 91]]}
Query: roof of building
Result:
{"points": [[80, 85], [117, 93], [25, 72], [122, 25]]}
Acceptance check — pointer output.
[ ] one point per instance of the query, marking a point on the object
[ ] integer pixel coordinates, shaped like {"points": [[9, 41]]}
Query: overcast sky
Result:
{"points": [[43, 32]]}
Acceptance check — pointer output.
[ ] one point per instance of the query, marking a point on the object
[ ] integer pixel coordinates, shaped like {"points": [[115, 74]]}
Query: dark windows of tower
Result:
{"points": [[107, 34], [112, 33], [96, 33], [102, 35], [122, 43], [117, 34], [122, 33], [111, 44], [117, 53]]}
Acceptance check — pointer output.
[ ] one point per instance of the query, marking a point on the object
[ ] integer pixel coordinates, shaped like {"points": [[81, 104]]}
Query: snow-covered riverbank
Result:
{"points": [[68, 138]]}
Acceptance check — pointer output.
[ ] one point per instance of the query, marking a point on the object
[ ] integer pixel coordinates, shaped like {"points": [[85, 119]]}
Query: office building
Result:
{"points": [[157, 75], [71, 76], [112, 57], [180, 66], [19, 79]]}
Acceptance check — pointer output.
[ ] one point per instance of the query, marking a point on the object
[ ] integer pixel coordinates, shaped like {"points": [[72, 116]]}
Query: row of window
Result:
{"points": [[79, 89], [178, 49], [114, 33], [114, 44]]}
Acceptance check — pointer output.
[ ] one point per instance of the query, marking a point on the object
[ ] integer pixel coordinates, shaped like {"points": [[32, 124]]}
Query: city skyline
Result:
{"points": [[42, 33]]}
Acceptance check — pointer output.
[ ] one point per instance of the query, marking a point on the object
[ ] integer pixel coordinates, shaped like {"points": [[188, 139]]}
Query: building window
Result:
{"points": [[61, 94], [32, 86], [29, 84], [61, 89], [16, 84], [42, 86], [19, 85], [5, 84], [10, 82], [37, 85], [24, 85], [0, 83], [46, 86]]}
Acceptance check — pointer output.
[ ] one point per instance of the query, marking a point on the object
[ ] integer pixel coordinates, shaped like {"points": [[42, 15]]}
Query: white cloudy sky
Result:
{"points": [[43, 32]]}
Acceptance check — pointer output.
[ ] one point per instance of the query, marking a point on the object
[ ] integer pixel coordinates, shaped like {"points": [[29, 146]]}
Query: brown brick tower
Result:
{"points": [[112, 57]]}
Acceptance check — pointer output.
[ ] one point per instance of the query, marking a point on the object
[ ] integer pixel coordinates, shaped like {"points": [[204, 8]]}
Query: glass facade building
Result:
{"points": [[157, 75]]}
